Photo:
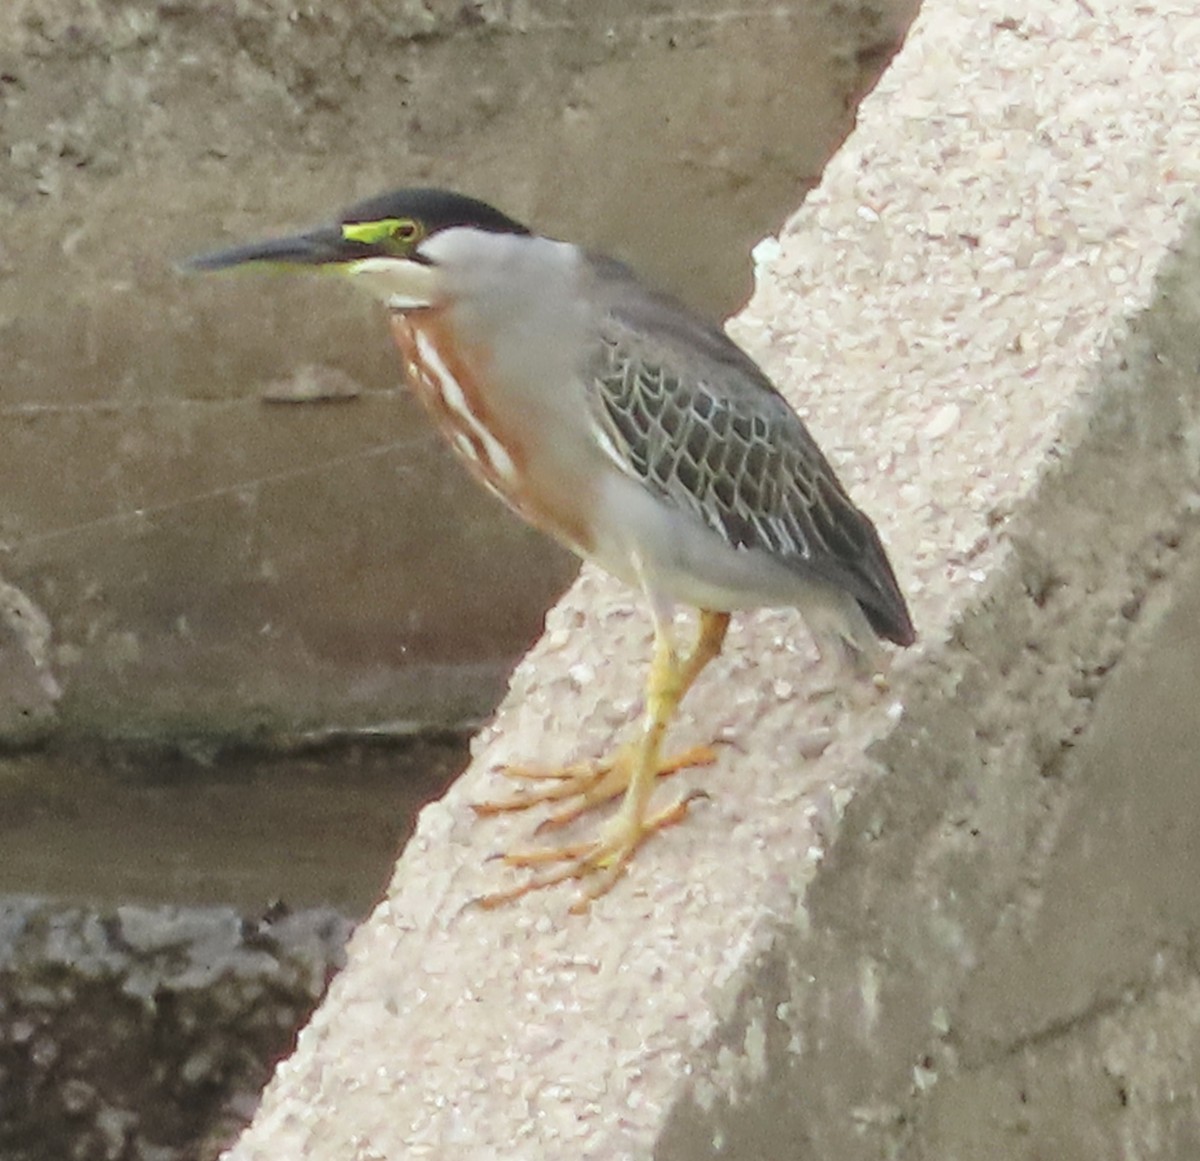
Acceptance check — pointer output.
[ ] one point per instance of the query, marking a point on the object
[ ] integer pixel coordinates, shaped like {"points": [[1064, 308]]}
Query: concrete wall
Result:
{"points": [[207, 563], [959, 921], [221, 521], [956, 923], [997, 957]]}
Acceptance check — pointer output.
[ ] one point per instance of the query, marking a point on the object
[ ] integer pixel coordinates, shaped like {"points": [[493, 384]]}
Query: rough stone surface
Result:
{"points": [[948, 924], [146, 1033], [214, 562], [29, 691]]}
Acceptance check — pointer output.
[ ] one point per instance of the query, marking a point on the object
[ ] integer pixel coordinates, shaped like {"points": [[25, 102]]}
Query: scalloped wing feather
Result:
{"points": [[699, 424]]}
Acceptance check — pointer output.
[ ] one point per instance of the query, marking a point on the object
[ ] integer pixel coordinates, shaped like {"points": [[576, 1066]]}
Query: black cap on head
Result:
{"points": [[405, 217], [436, 209]]}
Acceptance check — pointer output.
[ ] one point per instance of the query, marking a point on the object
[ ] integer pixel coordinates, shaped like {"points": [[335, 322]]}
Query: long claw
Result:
{"points": [[573, 852], [546, 773], [568, 782], [591, 783], [496, 899], [603, 860]]}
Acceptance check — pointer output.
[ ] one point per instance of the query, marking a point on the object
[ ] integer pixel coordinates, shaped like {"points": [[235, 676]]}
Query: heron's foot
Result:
{"points": [[583, 786], [599, 862]]}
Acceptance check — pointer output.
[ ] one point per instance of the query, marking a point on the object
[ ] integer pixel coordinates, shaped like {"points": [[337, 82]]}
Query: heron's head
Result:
{"points": [[387, 244]]}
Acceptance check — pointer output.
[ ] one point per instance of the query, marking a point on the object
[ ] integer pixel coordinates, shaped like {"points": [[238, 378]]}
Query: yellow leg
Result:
{"points": [[633, 773], [592, 784]]}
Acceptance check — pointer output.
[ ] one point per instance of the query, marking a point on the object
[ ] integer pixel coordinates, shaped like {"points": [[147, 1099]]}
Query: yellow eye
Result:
{"points": [[404, 231]]}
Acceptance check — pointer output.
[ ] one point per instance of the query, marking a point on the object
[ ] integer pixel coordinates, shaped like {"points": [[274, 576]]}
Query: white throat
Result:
{"points": [[400, 283]]}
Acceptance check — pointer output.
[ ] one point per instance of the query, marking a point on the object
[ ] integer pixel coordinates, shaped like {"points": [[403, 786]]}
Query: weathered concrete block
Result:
{"points": [[888, 932]]}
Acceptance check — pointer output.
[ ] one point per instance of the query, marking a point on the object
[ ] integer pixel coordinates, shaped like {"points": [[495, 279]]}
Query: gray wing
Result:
{"points": [[694, 419]]}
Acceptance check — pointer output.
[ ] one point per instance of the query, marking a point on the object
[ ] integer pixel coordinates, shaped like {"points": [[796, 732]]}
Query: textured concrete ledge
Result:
{"points": [[872, 910]]}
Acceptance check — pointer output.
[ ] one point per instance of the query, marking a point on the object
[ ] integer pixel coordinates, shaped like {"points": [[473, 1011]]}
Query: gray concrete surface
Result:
{"points": [[212, 564], [997, 959], [958, 922]]}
